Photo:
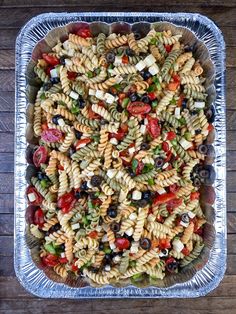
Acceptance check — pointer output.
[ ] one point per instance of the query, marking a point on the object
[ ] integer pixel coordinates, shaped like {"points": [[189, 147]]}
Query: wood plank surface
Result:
{"points": [[13, 297]]}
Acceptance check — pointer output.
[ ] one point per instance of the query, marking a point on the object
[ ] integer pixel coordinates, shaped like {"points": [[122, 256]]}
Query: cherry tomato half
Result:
{"points": [[125, 59], [84, 32], [172, 204], [38, 196], [164, 244], [152, 95], [39, 218], [170, 136], [176, 78], [172, 86], [163, 198], [52, 60], [82, 143], [194, 196], [51, 135], [66, 202], [50, 260], [122, 243], [168, 48], [153, 127], [40, 156], [138, 107], [63, 260], [185, 251], [71, 75], [165, 146], [93, 234]]}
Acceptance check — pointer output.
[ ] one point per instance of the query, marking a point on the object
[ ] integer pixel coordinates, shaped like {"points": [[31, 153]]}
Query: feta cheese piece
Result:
{"points": [[109, 98], [118, 60], [63, 255], [81, 145], [61, 122], [185, 144], [131, 150], [74, 95], [143, 129], [140, 65], [161, 191], [75, 226], [191, 215], [133, 216], [133, 249], [104, 238], [112, 246], [113, 141], [177, 113], [129, 231], [111, 173], [136, 195], [66, 44], [116, 259], [90, 174], [92, 92], [145, 121], [99, 94], [107, 268], [68, 62], [149, 60], [53, 73], [31, 197], [177, 245], [154, 69], [165, 165], [199, 104]]}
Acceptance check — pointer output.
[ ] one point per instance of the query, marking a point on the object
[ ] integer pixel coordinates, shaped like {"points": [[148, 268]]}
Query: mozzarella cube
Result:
{"points": [[61, 122], [118, 60], [131, 150], [109, 98], [75, 226], [149, 60], [68, 62], [31, 197], [74, 95], [177, 245], [199, 104], [140, 65], [136, 195], [161, 191], [184, 224], [116, 259], [113, 141], [99, 94], [111, 173], [63, 255], [92, 92], [185, 144], [54, 73], [177, 113], [107, 268], [134, 249], [143, 129], [165, 165], [154, 69], [112, 246], [133, 216]]}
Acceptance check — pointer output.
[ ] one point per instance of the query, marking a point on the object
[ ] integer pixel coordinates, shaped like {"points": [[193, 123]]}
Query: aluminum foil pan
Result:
{"points": [[41, 33]]}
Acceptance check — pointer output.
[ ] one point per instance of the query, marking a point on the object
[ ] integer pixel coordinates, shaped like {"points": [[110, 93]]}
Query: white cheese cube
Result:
{"points": [[143, 129], [133, 249], [185, 144], [133, 216], [92, 92], [99, 94], [165, 165], [68, 62], [118, 60], [161, 191], [131, 150], [116, 259], [31, 197], [191, 215], [111, 173], [90, 174], [129, 231], [140, 65], [54, 73], [154, 69], [112, 246], [109, 98], [63, 255], [113, 141], [149, 60], [71, 52], [61, 122], [177, 113], [75, 226], [177, 245], [74, 95], [107, 268], [104, 238], [199, 104], [136, 195]]}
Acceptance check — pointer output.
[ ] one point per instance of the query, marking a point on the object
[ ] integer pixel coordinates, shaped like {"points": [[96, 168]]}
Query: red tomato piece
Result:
{"points": [[71, 75], [51, 135], [199, 231], [168, 48], [164, 244], [180, 100], [174, 203], [125, 59], [44, 126], [63, 260], [82, 143], [97, 201], [210, 127], [39, 218], [84, 32], [122, 243], [172, 86], [124, 127], [168, 156], [121, 97], [93, 234], [152, 95], [74, 267], [163, 198], [38, 196], [92, 114], [60, 167], [138, 107], [153, 127], [176, 78], [119, 135], [185, 251], [194, 196], [173, 188], [165, 146], [52, 60], [50, 260], [66, 202], [170, 136], [40, 156], [139, 168]]}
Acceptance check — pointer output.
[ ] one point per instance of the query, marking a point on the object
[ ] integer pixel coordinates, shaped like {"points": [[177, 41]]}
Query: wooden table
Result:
{"points": [[13, 298]]}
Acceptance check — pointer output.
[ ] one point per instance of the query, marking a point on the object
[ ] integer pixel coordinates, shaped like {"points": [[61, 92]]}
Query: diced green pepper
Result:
{"points": [[188, 136], [154, 104], [153, 41], [43, 96], [49, 247], [132, 263], [147, 168], [85, 220], [151, 181], [107, 250], [151, 88], [125, 102], [182, 121], [137, 277], [44, 183], [134, 164], [89, 74], [174, 142]]}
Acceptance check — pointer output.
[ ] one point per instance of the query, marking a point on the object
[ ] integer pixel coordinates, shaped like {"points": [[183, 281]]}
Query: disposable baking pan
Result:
{"points": [[205, 278]]}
